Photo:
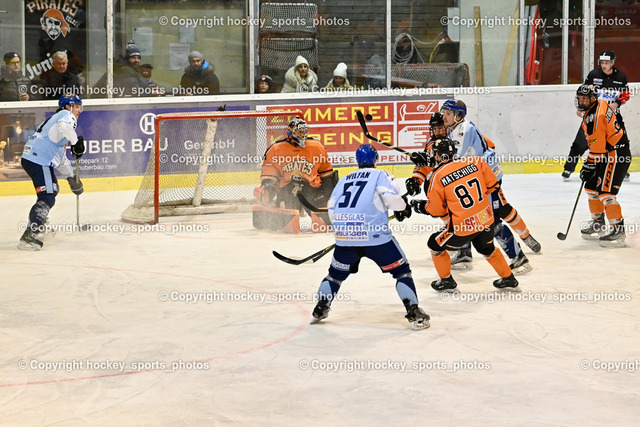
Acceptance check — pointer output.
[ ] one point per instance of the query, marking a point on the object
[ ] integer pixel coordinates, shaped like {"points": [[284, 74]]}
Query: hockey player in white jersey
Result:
{"points": [[470, 142], [44, 152], [358, 209]]}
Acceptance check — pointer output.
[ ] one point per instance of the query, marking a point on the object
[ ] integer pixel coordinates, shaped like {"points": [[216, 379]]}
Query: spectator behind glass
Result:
{"points": [[146, 71], [263, 84], [199, 77], [14, 86], [127, 78], [300, 78], [339, 81], [59, 80]]}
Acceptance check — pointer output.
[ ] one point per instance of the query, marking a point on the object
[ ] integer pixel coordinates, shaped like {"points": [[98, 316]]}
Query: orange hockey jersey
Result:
{"points": [[284, 160], [602, 130], [461, 189]]}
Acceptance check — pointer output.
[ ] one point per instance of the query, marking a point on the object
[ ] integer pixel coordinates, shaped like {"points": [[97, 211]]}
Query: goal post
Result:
{"points": [[205, 162]]}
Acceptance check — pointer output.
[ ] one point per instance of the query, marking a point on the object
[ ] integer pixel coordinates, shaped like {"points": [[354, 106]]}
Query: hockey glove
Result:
{"points": [[422, 158], [420, 206], [413, 186], [77, 149], [76, 186], [266, 192], [588, 171], [403, 214]]}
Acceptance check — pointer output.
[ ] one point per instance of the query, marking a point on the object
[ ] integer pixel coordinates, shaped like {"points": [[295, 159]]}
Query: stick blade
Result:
{"points": [[289, 260], [562, 236], [363, 123]]}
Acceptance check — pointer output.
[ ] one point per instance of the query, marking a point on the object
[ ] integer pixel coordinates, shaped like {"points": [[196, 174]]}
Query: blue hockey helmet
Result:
{"points": [[69, 99], [456, 106], [366, 156]]}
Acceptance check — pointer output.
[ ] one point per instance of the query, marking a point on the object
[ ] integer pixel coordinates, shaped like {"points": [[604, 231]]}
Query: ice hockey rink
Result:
{"points": [[195, 323]]}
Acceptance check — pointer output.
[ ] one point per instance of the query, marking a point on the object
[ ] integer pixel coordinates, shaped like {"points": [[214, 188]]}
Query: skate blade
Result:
{"points": [[508, 289], [592, 236], [447, 291], [315, 320], [620, 243], [418, 326], [525, 268], [25, 246], [468, 265]]}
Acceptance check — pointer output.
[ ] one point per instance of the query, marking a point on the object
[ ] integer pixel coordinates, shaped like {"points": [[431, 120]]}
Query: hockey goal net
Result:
{"points": [[204, 163]]}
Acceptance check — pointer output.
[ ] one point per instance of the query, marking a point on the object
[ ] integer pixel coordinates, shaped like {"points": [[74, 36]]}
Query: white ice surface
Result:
{"points": [[96, 297]]}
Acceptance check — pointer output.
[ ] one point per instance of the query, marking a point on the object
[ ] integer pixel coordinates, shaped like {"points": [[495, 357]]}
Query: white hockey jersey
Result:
{"points": [[359, 206], [470, 143], [46, 146]]}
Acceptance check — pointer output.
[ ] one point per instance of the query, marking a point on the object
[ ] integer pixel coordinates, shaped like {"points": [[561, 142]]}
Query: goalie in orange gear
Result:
{"points": [[297, 164]]}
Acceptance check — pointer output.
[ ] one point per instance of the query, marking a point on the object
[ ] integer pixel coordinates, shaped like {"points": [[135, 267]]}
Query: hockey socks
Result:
{"points": [[499, 264], [442, 262]]}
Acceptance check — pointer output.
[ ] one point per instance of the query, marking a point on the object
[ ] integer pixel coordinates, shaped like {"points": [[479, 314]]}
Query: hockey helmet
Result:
{"points": [[366, 156], [456, 106], [585, 90], [435, 121], [298, 130], [69, 99], [607, 55], [445, 148]]}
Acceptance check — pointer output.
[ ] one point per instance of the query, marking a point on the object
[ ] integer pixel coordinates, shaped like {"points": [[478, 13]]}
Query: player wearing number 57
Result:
{"points": [[358, 208], [44, 152]]}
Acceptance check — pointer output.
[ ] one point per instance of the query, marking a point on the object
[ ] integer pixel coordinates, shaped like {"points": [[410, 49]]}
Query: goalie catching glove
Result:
{"points": [[77, 149], [266, 192], [76, 186], [588, 171], [403, 214]]}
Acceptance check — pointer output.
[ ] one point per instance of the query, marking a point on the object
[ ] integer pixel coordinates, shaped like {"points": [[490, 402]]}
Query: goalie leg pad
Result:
{"points": [[276, 219]]}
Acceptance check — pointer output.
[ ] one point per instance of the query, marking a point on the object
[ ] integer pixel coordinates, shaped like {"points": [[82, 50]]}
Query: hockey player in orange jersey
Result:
{"points": [[294, 165], [604, 169], [422, 159], [460, 189]]}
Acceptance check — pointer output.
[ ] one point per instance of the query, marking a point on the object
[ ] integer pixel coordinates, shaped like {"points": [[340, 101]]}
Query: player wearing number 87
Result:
{"points": [[44, 152], [460, 189], [359, 211]]}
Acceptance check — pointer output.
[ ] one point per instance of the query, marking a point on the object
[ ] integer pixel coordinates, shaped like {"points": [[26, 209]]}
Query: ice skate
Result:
{"points": [[321, 311], [627, 177], [615, 238], [462, 259], [594, 229], [29, 241], [507, 283], [445, 285], [532, 244], [565, 175], [416, 316], [520, 264]]}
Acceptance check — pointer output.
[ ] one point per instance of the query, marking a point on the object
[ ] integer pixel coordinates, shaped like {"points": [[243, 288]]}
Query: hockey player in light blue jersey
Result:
{"points": [[358, 209], [470, 142], [44, 152]]}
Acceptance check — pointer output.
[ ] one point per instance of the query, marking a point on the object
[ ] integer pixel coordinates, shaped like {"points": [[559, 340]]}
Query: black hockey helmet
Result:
{"points": [[436, 120], [444, 147], [585, 90], [607, 55]]}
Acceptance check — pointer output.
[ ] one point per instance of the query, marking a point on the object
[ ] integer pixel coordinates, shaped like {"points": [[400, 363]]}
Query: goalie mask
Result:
{"points": [[585, 91], [297, 130]]}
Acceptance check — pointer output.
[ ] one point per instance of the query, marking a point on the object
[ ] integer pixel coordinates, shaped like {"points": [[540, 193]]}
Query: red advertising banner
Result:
{"points": [[404, 124]]}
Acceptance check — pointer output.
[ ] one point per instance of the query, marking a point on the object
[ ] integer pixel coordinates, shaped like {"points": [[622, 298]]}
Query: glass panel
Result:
{"points": [[543, 64], [618, 29], [325, 34]]}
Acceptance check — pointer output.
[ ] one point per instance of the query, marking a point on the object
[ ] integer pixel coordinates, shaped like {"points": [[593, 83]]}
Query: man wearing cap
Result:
{"points": [[127, 78], [300, 78], [14, 86], [339, 81], [198, 77], [611, 85]]}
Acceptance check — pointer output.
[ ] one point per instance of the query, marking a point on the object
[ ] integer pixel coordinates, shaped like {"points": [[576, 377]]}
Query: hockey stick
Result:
{"points": [[363, 125], [313, 257], [563, 236], [83, 227], [307, 204]]}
